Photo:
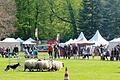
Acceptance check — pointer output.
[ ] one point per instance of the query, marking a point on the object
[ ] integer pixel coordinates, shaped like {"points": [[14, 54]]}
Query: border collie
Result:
{"points": [[12, 66]]}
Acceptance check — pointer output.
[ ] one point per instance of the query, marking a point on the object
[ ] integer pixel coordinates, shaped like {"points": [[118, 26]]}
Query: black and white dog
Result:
{"points": [[12, 66]]}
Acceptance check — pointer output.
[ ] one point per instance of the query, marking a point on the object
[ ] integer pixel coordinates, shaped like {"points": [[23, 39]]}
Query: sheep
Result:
{"points": [[57, 65], [44, 65], [30, 64]]}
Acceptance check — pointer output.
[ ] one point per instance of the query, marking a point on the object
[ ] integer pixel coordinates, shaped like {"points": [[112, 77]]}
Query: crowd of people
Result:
{"points": [[115, 53], [9, 52], [68, 51], [85, 52]]}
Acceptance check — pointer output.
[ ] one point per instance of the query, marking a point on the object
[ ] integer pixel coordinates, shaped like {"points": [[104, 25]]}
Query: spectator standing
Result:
{"points": [[65, 52], [112, 55], [50, 51], [56, 52], [69, 51], [16, 51], [75, 51]]}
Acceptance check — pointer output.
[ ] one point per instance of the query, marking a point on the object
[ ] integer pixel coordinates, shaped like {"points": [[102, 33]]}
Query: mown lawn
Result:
{"points": [[93, 69]]}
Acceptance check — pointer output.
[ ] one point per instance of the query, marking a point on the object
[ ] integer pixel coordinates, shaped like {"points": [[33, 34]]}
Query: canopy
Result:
{"points": [[115, 40], [19, 40], [9, 40], [30, 39], [62, 44], [69, 42], [81, 37], [84, 42], [114, 43], [98, 39], [28, 42]]}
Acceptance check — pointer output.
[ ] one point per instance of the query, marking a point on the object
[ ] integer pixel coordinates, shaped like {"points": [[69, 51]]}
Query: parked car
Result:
{"points": [[42, 48]]}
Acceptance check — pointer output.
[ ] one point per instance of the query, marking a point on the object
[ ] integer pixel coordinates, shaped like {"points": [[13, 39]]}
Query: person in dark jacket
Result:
{"points": [[112, 55], [75, 51], [16, 51], [65, 52], [56, 51], [69, 51]]}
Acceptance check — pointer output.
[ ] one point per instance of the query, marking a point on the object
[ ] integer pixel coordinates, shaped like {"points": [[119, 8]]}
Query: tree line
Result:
{"points": [[67, 17]]}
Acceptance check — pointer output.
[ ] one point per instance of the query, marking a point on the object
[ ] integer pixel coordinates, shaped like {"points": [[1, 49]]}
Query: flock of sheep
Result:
{"points": [[43, 65]]}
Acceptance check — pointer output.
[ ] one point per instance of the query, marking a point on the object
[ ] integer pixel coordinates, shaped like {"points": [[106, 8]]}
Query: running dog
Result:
{"points": [[12, 66]]}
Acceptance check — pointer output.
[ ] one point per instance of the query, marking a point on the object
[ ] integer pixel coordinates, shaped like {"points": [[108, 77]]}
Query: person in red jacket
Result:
{"points": [[50, 50]]}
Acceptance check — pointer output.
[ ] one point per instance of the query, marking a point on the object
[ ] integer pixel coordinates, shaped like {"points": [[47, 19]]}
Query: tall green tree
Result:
{"points": [[89, 17], [111, 18], [25, 18], [66, 15]]}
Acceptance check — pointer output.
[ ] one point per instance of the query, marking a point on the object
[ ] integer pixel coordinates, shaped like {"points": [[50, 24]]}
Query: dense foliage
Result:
{"points": [[67, 17]]}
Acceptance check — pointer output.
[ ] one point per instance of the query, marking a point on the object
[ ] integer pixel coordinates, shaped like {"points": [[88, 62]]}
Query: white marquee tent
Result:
{"points": [[10, 42], [81, 37], [28, 42], [98, 39], [114, 43], [30, 39], [69, 42], [20, 40]]}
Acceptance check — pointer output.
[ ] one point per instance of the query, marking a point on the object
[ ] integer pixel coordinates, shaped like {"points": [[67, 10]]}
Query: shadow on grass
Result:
{"points": [[35, 71], [118, 72], [119, 67]]}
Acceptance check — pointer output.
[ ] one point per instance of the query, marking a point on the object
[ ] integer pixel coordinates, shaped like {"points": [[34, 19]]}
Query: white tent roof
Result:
{"points": [[74, 41], [28, 42], [19, 40], [30, 39], [113, 43], [9, 40], [62, 44], [115, 40], [81, 37], [98, 39], [68, 42]]}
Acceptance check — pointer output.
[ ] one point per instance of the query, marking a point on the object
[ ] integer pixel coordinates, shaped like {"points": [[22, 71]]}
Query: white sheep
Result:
{"points": [[44, 65], [57, 65], [30, 64]]}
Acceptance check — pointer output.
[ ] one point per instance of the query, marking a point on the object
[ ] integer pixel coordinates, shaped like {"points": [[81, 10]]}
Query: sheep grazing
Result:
{"points": [[30, 64], [57, 65], [42, 65]]}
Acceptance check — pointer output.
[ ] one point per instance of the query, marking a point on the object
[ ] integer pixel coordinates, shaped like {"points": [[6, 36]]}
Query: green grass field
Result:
{"points": [[77, 69]]}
